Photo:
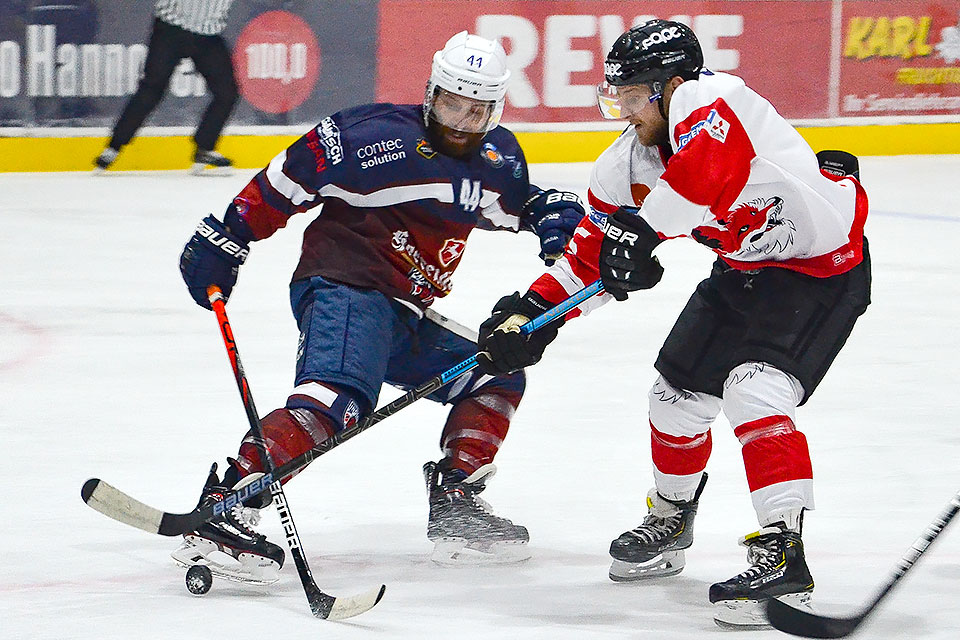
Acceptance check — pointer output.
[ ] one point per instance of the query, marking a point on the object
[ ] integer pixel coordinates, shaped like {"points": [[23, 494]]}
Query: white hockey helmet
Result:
{"points": [[472, 67]]}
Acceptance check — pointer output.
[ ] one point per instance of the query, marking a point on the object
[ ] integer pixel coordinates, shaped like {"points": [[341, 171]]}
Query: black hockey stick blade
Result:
{"points": [[809, 625]]}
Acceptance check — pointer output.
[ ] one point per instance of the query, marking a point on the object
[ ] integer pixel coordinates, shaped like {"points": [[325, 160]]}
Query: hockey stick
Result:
{"points": [[116, 504], [322, 605], [810, 625]]}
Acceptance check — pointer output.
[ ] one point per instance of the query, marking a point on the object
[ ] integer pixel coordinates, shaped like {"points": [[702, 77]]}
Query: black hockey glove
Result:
{"points": [[626, 263], [212, 256], [501, 347], [552, 215]]}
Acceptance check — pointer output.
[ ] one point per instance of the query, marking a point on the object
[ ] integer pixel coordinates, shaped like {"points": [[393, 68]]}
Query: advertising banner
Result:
{"points": [[900, 58], [76, 62], [812, 59]]}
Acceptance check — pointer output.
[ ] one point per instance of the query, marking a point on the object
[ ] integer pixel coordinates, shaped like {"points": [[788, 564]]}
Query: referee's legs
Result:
{"points": [[163, 55], [212, 60]]}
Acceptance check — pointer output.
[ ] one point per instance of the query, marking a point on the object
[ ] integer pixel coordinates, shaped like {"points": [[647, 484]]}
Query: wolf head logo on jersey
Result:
{"points": [[755, 227]]}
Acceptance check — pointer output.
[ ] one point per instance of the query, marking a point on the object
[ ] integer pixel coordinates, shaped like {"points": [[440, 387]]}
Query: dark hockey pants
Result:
{"points": [[795, 322]]}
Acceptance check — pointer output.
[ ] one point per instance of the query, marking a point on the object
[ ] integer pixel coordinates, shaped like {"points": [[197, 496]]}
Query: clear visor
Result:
{"points": [[617, 103], [465, 114]]}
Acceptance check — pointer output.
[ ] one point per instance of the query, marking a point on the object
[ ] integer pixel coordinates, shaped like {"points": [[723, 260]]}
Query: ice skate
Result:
{"points": [[778, 570], [103, 161], [655, 549], [211, 163], [461, 525], [228, 545]]}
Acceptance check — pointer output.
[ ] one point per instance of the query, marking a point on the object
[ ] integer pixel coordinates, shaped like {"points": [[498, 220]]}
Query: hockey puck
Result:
{"points": [[199, 579]]}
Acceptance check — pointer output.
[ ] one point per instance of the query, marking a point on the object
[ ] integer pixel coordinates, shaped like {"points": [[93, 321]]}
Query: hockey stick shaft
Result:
{"points": [[321, 603], [810, 625], [116, 504], [470, 363], [919, 547]]}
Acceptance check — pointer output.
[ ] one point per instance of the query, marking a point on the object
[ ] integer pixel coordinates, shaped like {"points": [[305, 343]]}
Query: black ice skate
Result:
{"points": [[210, 163], [104, 160], [778, 570], [462, 526], [655, 548], [228, 544]]}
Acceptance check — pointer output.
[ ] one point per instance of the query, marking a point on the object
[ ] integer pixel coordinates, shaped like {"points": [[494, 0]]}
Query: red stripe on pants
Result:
{"points": [[680, 455], [773, 451]]}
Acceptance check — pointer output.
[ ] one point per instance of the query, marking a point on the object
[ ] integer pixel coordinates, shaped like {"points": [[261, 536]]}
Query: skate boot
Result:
{"points": [[655, 548], [228, 545], [217, 163], [104, 160], [462, 526], [778, 570]]}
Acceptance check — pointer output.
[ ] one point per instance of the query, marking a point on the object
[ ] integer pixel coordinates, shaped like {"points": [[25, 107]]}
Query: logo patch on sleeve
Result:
{"points": [[714, 125]]}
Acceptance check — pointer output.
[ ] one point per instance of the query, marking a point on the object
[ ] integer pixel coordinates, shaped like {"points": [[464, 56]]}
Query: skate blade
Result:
{"points": [[453, 552], [745, 615], [200, 169], [666, 564], [247, 568]]}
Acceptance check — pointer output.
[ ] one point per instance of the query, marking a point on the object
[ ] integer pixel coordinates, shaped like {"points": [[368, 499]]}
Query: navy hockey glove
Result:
{"points": [[552, 215], [501, 347], [626, 263], [212, 256]]}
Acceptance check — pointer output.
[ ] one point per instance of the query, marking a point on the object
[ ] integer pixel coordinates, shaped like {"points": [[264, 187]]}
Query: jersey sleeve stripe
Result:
{"points": [[281, 183], [599, 205], [441, 192], [500, 218]]}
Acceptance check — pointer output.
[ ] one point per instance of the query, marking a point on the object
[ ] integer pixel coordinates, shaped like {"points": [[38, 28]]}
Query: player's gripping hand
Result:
{"points": [[501, 347], [552, 215], [212, 256], [626, 263]]}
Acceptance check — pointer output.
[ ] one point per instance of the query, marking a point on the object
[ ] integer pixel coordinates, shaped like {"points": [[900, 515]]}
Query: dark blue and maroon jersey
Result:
{"points": [[396, 214]]}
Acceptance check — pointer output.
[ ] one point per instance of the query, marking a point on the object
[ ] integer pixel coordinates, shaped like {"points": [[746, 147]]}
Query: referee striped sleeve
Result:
{"points": [[204, 17]]}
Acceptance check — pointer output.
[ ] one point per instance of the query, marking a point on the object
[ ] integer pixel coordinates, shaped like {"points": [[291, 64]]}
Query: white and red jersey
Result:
{"points": [[740, 180]]}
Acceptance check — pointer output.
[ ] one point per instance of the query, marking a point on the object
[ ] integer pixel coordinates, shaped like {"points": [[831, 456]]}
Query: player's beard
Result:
{"points": [[452, 143], [653, 133]]}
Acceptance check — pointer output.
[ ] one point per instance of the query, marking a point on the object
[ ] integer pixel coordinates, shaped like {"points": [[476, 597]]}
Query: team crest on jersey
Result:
{"points": [[420, 287], [451, 250], [492, 155], [424, 149], [756, 227]]}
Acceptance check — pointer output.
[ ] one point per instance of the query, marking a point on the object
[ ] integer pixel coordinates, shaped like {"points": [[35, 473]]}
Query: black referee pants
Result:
{"points": [[168, 44]]}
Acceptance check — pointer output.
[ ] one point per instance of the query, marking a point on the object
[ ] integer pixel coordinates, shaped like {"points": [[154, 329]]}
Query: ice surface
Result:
{"points": [[108, 369]]}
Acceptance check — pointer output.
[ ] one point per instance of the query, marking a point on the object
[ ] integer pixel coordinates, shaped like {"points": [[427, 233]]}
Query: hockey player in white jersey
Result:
{"points": [[707, 158]]}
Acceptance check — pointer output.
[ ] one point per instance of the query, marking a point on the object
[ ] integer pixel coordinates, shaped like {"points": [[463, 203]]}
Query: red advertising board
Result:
{"points": [[556, 48], [810, 58], [900, 58]]}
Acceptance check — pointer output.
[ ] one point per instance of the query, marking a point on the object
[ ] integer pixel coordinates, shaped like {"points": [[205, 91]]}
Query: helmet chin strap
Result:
{"points": [[656, 90]]}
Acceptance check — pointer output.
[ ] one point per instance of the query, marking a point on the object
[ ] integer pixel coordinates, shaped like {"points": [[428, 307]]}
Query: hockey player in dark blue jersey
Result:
{"points": [[402, 187]]}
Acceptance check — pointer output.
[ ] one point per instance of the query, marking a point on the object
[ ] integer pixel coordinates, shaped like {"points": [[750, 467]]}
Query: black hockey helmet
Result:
{"points": [[653, 52]]}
